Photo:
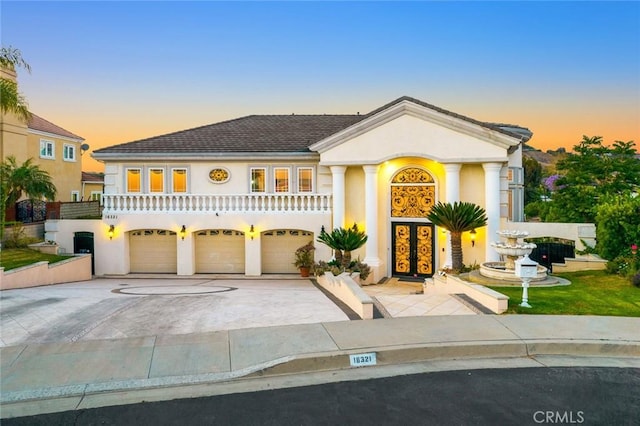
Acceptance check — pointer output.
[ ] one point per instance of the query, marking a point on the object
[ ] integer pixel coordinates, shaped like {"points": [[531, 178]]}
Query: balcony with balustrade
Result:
{"points": [[228, 203]]}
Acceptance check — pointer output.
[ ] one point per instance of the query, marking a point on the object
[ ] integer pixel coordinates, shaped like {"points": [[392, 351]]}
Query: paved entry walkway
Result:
{"points": [[404, 299]]}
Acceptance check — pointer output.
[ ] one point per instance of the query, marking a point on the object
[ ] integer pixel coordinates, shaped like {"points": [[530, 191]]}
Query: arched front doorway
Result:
{"points": [[412, 236]]}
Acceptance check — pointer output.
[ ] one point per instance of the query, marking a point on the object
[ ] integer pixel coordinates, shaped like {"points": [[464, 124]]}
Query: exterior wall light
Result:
{"points": [[112, 230], [473, 237], [183, 232], [252, 231]]}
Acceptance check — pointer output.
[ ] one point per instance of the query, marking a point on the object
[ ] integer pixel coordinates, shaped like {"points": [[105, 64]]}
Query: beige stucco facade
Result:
{"points": [[59, 155]]}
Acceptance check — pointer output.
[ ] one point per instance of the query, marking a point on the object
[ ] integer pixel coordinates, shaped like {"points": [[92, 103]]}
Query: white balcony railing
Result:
{"points": [[232, 203]]}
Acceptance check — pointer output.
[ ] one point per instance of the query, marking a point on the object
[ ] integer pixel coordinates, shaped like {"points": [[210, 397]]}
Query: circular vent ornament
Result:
{"points": [[219, 175]]}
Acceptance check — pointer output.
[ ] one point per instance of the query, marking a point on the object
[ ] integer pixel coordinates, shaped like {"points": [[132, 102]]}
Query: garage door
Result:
{"points": [[278, 248], [220, 251], [153, 251]]}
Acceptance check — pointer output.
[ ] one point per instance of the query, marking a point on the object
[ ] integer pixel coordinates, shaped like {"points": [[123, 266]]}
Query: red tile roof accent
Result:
{"points": [[38, 123], [92, 177]]}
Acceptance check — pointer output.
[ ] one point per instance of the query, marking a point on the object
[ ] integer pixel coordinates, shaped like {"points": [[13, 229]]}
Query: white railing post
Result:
{"points": [[199, 203]]}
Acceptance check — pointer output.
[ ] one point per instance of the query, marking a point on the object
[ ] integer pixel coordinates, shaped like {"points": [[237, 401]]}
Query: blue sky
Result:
{"points": [[118, 71]]}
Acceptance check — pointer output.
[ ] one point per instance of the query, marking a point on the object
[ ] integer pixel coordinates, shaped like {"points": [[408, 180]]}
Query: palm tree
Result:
{"points": [[353, 240], [333, 241], [343, 241], [457, 218], [11, 100], [27, 179]]}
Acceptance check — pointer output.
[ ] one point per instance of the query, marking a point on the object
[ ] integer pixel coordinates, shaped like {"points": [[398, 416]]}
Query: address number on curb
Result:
{"points": [[361, 360]]}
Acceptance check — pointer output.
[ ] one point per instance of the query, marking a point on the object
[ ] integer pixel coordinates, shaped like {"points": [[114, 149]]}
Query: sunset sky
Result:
{"points": [[115, 72]]}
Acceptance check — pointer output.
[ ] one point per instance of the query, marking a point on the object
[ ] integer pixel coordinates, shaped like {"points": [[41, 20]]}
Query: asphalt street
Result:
{"points": [[525, 396]]}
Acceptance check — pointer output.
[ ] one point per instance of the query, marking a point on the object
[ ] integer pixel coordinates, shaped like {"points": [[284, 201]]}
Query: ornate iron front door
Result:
{"points": [[412, 249]]}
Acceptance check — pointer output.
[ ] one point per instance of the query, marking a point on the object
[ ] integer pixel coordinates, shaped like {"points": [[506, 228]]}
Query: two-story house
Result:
{"points": [[52, 148], [240, 196]]}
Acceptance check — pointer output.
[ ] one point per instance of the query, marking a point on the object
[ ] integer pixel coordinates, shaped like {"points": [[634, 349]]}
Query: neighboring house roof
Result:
{"points": [[38, 123], [92, 177], [263, 134]]}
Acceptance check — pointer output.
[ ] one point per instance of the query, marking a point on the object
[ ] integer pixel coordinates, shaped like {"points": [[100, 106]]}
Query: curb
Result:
{"points": [[394, 355], [64, 398]]}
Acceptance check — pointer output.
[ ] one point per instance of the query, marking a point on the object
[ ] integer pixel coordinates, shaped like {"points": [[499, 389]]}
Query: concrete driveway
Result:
{"points": [[106, 308]]}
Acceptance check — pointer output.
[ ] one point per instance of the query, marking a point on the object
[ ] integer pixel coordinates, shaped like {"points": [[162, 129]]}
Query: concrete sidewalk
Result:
{"points": [[39, 378]]}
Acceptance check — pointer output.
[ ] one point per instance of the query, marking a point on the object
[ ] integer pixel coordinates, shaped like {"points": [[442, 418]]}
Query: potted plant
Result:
{"points": [[304, 258]]}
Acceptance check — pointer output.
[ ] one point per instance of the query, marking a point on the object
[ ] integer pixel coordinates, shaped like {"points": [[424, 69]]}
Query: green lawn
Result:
{"points": [[590, 293], [15, 258]]}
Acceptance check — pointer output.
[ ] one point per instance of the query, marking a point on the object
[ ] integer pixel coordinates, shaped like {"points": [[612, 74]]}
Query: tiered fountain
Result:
{"points": [[512, 249]]}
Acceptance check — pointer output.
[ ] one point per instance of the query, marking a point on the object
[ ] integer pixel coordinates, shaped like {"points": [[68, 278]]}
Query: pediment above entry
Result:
{"points": [[410, 130]]}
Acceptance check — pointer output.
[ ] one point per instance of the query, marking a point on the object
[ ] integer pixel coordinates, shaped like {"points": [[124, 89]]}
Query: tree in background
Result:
{"points": [[18, 180], [591, 174], [457, 218], [532, 179], [618, 231], [11, 100]]}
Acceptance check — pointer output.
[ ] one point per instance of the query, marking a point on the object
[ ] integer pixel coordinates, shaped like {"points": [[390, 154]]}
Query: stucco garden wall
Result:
{"points": [[576, 232], [76, 268]]}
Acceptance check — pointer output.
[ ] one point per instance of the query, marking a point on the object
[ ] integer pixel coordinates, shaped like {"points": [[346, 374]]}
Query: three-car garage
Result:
{"points": [[216, 251]]}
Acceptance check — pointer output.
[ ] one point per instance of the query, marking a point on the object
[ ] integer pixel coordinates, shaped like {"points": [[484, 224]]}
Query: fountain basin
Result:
{"points": [[518, 251], [499, 271]]}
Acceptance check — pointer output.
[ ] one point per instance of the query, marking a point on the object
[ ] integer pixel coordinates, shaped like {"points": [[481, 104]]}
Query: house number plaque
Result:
{"points": [[361, 360]]}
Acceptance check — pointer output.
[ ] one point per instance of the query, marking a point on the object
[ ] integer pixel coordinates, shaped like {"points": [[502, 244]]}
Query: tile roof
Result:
{"points": [[254, 133], [263, 134], [92, 177], [38, 123]]}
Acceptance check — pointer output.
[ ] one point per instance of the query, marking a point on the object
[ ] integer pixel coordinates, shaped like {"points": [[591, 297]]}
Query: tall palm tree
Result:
{"points": [[457, 218], [11, 100], [18, 180]]}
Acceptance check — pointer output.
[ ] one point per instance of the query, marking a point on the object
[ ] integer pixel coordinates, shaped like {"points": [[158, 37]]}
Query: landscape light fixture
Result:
{"points": [[183, 232], [112, 230], [473, 237]]}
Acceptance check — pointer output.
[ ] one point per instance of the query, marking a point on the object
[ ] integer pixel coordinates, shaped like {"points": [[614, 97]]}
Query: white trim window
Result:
{"points": [[281, 179], [69, 152], [258, 176], [96, 196], [179, 180], [47, 149], [305, 179], [156, 180], [75, 196], [134, 180]]}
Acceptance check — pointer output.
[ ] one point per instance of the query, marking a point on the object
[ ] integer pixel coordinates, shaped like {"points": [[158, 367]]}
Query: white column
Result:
{"points": [[252, 254], [186, 253], [371, 217], [337, 175], [452, 178], [492, 207]]}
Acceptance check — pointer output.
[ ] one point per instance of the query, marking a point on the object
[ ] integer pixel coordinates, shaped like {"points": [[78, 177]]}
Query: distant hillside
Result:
{"points": [[546, 159]]}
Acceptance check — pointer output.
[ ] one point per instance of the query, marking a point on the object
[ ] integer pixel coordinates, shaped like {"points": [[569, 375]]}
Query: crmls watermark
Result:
{"points": [[558, 417]]}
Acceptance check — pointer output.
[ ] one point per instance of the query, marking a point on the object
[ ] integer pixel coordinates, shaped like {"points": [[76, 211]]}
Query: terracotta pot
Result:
{"points": [[304, 272]]}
